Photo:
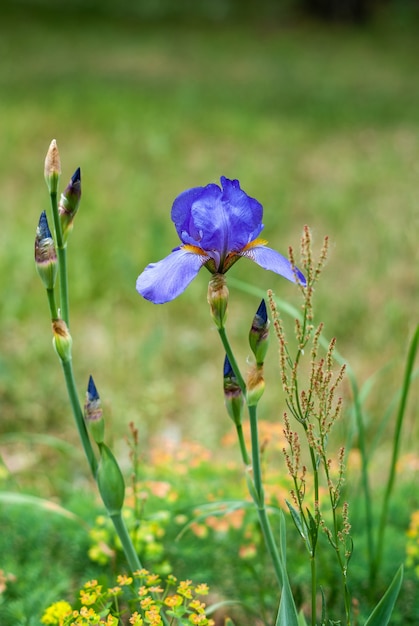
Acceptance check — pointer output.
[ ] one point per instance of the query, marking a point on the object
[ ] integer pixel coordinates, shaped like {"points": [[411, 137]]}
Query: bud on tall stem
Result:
{"points": [[233, 395], [69, 203], [259, 334], [52, 168], [218, 299], [93, 413], [45, 253]]}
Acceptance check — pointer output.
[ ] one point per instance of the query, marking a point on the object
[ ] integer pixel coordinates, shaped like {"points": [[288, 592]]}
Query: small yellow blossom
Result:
{"points": [[202, 589], [184, 589], [173, 601], [136, 619], [122, 579], [56, 613]]}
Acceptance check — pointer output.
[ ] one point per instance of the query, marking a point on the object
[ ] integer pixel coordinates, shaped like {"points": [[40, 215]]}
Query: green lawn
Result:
{"points": [[320, 124]]}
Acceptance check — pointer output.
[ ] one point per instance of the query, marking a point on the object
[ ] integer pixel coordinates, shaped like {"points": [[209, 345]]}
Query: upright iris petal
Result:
{"points": [[216, 226]]}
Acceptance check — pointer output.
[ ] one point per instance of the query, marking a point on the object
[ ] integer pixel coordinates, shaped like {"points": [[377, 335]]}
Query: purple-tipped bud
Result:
{"points": [[52, 168], [93, 413], [259, 334], [69, 203], [110, 481], [45, 253], [62, 340], [218, 299], [233, 395]]}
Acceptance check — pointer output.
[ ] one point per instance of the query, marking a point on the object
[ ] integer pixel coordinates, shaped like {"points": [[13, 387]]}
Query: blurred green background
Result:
{"points": [[318, 119], [313, 106]]}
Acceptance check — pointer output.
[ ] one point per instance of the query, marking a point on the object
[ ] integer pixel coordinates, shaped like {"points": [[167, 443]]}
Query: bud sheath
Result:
{"points": [[218, 299], [45, 253], [259, 334], [110, 481], [93, 413], [233, 395]]}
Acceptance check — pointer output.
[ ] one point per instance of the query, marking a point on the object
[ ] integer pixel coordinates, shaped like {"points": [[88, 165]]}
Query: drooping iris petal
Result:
{"points": [[164, 281], [272, 260]]}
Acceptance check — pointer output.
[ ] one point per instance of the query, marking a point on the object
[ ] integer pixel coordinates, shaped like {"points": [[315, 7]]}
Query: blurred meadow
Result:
{"points": [[318, 121]]}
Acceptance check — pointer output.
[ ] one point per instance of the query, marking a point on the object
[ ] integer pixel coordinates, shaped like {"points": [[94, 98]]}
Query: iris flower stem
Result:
{"points": [[62, 260], [52, 304], [242, 443], [122, 532], [232, 358], [78, 415], [257, 495], [260, 497]]}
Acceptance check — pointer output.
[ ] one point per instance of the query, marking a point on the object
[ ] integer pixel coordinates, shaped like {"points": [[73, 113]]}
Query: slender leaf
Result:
{"points": [[380, 616], [296, 518], [287, 613], [9, 497]]}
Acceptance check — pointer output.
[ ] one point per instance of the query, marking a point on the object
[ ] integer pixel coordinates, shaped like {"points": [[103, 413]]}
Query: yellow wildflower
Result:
{"points": [[56, 613]]}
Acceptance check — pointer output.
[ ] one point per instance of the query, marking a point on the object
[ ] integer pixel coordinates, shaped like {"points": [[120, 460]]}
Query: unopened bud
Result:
{"points": [[62, 340], [69, 203], [110, 481], [93, 413], [255, 385], [259, 334], [233, 395], [52, 170], [218, 299], [45, 253]]}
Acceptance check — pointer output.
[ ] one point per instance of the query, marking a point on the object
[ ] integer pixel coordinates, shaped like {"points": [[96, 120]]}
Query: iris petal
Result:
{"points": [[272, 260], [164, 281]]}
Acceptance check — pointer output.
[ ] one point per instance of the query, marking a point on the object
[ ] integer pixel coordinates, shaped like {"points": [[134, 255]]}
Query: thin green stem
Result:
{"points": [[396, 445], [52, 304], [122, 532], [258, 495], [78, 415], [256, 465], [232, 358], [242, 443], [62, 260], [313, 567], [260, 503]]}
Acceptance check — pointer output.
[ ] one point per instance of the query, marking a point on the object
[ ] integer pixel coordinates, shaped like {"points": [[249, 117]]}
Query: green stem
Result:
{"points": [[396, 445], [62, 260], [257, 481], [232, 358], [122, 532], [78, 415], [313, 590], [242, 443], [52, 304], [258, 495]]}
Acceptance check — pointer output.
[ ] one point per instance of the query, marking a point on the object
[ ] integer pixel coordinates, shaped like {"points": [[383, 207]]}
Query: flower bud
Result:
{"points": [[52, 169], [69, 203], [93, 413], [259, 334], [45, 253], [110, 481], [218, 299], [62, 340], [255, 385], [233, 395]]}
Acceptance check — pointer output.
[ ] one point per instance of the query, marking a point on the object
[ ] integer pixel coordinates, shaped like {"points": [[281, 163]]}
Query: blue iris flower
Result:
{"points": [[217, 226]]}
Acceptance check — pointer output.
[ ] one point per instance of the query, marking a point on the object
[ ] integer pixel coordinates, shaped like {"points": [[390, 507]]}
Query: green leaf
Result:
{"points": [[9, 497], [301, 619], [287, 613], [382, 612], [296, 518]]}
